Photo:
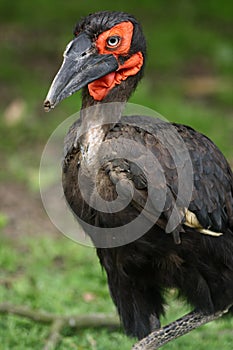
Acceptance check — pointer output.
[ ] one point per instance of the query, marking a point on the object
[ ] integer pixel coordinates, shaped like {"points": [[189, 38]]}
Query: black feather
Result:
{"points": [[200, 267]]}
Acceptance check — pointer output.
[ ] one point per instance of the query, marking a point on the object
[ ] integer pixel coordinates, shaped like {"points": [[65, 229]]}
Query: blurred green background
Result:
{"points": [[188, 79]]}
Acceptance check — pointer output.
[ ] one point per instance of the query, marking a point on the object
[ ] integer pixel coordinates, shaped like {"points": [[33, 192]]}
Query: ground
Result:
{"points": [[24, 212]]}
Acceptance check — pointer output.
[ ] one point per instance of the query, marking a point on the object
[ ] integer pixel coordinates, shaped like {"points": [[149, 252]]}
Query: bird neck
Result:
{"points": [[97, 118], [120, 93], [111, 106]]}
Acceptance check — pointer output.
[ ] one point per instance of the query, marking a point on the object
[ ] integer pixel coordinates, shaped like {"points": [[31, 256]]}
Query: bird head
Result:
{"points": [[105, 58]]}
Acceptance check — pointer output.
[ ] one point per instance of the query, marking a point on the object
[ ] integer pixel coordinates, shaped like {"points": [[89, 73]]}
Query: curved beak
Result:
{"points": [[81, 65]]}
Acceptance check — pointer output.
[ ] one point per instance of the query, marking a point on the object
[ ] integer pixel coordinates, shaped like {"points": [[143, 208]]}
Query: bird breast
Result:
{"points": [[90, 146]]}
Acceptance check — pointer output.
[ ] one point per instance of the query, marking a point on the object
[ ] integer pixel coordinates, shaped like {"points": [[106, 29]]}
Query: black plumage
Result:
{"points": [[199, 265]]}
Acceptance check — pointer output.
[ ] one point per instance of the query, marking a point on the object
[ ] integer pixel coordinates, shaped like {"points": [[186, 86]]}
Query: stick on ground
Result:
{"points": [[59, 322]]}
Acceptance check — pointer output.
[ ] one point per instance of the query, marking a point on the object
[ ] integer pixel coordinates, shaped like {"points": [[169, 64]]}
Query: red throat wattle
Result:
{"points": [[98, 89]]}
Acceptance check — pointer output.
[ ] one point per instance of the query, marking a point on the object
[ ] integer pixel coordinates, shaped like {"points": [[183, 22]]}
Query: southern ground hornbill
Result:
{"points": [[195, 254]]}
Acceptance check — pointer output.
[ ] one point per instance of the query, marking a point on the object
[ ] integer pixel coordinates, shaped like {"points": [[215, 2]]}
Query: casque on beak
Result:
{"points": [[81, 65]]}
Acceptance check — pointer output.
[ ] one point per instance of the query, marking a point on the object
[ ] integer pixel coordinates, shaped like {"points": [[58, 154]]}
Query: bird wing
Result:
{"points": [[210, 207], [212, 196]]}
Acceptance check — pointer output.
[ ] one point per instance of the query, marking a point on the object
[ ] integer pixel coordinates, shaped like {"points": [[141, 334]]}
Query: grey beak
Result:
{"points": [[81, 65]]}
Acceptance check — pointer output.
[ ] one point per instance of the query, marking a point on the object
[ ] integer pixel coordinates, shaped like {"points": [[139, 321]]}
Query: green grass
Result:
{"points": [[186, 40], [54, 274]]}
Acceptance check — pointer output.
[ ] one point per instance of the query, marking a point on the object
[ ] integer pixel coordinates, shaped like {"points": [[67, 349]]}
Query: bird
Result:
{"points": [[117, 168]]}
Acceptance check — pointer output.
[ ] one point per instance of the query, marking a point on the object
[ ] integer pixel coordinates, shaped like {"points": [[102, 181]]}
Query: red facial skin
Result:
{"points": [[124, 31]]}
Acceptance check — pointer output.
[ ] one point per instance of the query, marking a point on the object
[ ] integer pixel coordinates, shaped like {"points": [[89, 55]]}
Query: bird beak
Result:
{"points": [[81, 65]]}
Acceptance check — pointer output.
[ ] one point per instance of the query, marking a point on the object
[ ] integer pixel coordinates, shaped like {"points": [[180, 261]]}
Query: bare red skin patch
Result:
{"points": [[99, 89], [125, 31]]}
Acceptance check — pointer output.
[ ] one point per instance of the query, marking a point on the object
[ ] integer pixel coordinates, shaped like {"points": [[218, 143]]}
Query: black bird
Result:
{"points": [[184, 243]]}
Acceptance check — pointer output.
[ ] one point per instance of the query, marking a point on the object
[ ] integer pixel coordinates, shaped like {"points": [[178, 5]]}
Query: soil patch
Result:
{"points": [[25, 212]]}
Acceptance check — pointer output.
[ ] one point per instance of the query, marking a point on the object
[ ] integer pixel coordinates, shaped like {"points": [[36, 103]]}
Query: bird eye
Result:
{"points": [[113, 41]]}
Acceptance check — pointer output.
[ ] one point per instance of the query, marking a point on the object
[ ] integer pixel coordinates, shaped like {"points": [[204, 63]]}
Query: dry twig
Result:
{"points": [[59, 322]]}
